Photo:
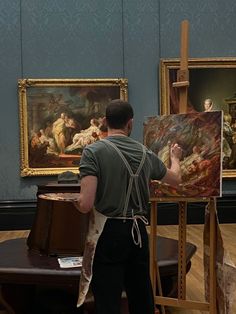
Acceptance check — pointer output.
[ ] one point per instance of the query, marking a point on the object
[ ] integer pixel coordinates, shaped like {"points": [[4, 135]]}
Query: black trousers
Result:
{"points": [[119, 265]]}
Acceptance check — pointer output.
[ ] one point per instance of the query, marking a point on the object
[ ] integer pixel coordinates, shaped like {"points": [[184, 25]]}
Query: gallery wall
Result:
{"points": [[98, 39]]}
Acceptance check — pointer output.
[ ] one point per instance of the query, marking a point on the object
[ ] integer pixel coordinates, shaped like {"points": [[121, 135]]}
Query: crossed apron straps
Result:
{"points": [[97, 223], [132, 180]]}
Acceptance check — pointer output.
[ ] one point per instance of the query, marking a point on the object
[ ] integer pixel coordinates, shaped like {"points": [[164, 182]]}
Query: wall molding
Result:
{"points": [[19, 214]]}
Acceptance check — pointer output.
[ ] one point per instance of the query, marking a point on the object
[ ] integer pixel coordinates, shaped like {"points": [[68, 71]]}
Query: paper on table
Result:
{"points": [[69, 262]]}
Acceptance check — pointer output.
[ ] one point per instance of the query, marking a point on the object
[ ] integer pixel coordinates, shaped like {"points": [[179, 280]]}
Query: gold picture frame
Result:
{"points": [[210, 78], [55, 111]]}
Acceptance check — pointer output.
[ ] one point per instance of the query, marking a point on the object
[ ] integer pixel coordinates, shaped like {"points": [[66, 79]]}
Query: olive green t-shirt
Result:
{"points": [[103, 161]]}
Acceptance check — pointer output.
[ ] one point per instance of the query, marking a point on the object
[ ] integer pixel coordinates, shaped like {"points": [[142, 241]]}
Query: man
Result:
{"points": [[115, 175]]}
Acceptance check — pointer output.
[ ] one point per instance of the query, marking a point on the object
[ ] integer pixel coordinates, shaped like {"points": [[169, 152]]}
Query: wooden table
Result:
{"points": [[25, 275], [22, 271]]}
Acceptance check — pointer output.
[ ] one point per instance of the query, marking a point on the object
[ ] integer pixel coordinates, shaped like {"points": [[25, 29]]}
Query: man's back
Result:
{"points": [[103, 161]]}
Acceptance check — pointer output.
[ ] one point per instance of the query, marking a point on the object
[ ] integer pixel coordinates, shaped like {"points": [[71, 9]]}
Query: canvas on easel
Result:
{"points": [[200, 137]]}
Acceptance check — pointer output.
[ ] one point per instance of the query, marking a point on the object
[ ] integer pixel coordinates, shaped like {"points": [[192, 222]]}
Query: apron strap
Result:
{"points": [[133, 176], [135, 227]]}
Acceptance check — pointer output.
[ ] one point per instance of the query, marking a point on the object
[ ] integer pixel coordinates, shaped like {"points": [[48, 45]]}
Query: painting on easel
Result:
{"points": [[200, 136]]}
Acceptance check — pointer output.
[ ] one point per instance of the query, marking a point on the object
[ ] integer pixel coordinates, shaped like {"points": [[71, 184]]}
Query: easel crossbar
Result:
{"points": [[187, 304]]}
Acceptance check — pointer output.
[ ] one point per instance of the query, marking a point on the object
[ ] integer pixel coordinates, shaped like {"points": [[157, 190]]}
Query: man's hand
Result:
{"points": [[175, 151]]}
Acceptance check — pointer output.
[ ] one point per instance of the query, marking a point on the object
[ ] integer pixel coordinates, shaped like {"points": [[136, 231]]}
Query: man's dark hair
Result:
{"points": [[118, 113]]}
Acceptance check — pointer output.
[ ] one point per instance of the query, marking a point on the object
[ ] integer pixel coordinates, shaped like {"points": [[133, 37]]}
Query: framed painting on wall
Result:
{"points": [[59, 117], [212, 88], [200, 137]]}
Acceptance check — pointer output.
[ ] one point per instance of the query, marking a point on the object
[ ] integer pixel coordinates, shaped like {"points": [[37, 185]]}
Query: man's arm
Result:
{"points": [[173, 175], [87, 194]]}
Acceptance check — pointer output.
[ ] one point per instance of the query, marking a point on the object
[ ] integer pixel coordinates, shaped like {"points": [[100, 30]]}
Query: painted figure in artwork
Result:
{"points": [[85, 137], [208, 105]]}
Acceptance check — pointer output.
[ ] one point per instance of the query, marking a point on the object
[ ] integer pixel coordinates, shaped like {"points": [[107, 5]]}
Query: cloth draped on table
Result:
{"points": [[225, 269]]}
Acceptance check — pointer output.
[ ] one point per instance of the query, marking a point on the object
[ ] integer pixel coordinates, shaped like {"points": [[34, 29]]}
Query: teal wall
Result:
{"points": [[98, 39]]}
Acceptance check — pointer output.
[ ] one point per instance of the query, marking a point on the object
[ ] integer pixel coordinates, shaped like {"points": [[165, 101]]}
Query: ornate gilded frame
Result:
{"points": [[41, 101], [203, 74]]}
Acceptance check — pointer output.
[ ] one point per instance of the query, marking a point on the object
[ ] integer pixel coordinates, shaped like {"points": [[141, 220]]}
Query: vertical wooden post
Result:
{"points": [[212, 262], [152, 244], [154, 268], [182, 74], [182, 84], [182, 251], [184, 45]]}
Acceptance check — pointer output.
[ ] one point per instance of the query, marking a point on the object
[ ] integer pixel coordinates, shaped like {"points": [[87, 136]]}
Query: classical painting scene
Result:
{"points": [[210, 89], [62, 120], [200, 137]]}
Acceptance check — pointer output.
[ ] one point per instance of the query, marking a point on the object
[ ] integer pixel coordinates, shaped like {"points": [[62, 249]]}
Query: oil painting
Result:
{"points": [[59, 117], [200, 137], [212, 87]]}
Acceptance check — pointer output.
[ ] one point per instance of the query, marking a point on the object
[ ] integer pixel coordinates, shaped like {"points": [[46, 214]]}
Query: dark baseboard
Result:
{"points": [[19, 215], [226, 209]]}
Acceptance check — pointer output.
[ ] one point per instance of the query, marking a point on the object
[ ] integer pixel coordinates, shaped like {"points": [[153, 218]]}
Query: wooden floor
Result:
{"points": [[195, 289]]}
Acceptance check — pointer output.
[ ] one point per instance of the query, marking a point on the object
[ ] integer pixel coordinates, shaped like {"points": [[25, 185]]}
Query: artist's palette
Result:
{"points": [[66, 197]]}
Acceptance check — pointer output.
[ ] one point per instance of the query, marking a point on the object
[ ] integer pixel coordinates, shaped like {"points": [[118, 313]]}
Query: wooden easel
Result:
{"points": [[181, 301], [182, 85]]}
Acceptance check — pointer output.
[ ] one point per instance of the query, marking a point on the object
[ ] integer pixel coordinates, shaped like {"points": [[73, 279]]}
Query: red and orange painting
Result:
{"points": [[200, 137]]}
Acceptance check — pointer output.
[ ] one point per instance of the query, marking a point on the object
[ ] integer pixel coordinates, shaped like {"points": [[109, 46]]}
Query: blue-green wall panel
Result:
{"points": [[105, 38], [73, 38], [211, 31], [141, 57], [10, 65]]}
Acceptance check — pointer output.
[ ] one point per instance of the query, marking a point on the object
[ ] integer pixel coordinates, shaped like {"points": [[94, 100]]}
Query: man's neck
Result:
{"points": [[117, 132]]}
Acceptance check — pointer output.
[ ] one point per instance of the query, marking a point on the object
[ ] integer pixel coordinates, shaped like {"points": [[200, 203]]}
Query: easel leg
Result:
{"points": [[212, 262], [154, 268], [182, 251], [159, 287], [152, 244]]}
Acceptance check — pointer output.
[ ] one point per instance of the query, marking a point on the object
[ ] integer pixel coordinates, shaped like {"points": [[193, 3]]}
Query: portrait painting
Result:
{"points": [[212, 86], [200, 137], [59, 117]]}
